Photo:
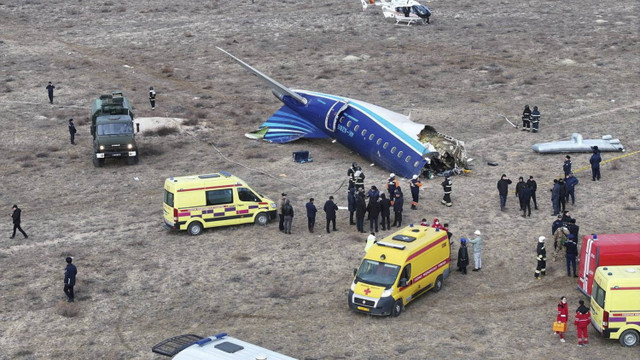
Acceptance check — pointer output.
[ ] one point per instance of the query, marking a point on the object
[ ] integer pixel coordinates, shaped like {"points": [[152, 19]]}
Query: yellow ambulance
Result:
{"points": [[615, 303], [398, 269], [196, 202]]}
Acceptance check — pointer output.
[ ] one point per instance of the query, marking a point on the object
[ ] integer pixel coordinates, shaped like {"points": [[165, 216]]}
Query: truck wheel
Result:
{"points": [[397, 308], [262, 219], [437, 286], [629, 338], [98, 162], [195, 228]]}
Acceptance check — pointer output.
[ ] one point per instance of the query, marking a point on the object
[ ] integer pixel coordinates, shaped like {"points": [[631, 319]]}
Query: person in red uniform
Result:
{"points": [[436, 224], [563, 315], [583, 318]]}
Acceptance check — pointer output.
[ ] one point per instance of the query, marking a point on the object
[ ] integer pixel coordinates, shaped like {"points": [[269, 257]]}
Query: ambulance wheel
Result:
{"points": [[195, 228], [397, 308], [437, 286], [262, 219], [629, 338]]}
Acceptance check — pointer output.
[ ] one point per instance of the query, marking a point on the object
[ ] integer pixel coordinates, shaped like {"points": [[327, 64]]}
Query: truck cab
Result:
{"points": [[112, 129]]}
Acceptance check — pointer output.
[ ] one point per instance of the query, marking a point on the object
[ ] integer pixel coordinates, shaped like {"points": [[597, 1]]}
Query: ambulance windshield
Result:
{"points": [[377, 273]]}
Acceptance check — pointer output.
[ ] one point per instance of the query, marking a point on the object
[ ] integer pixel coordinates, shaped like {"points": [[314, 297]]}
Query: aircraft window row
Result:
{"points": [[364, 132], [408, 158], [415, 164], [371, 136], [393, 150], [379, 141], [400, 153], [355, 128], [349, 123], [386, 145]]}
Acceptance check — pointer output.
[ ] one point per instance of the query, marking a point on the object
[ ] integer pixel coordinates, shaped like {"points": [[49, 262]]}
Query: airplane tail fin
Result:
{"points": [[278, 89], [286, 126]]}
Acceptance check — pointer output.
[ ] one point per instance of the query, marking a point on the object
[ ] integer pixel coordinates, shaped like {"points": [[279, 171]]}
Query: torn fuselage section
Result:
{"points": [[445, 154]]}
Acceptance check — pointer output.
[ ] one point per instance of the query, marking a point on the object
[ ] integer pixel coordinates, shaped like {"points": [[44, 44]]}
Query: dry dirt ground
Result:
{"points": [[139, 284]]}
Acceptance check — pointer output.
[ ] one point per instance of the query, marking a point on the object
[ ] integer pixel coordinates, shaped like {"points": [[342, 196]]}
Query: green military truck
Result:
{"points": [[112, 129]]}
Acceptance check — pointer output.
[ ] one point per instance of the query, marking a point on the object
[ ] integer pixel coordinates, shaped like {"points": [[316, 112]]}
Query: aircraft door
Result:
{"points": [[333, 115]]}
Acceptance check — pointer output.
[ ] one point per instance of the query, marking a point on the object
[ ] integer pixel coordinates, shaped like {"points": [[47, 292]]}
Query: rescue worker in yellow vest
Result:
{"points": [[542, 258], [446, 186], [414, 185]]}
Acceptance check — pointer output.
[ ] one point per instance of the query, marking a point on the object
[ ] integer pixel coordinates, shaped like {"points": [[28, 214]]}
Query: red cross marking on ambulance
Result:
{"points": [[367, 291]]}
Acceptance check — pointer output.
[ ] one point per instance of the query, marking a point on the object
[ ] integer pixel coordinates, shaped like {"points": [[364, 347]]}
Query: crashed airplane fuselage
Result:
{"points": [[383, 137]]}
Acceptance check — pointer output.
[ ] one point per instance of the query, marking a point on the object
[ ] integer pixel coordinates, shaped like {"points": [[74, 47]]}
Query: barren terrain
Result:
{"points": [[139, 284]]}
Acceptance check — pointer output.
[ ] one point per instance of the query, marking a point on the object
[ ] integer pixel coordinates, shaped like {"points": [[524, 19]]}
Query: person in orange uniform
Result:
{"points": [[563, 315], [583, 318]]}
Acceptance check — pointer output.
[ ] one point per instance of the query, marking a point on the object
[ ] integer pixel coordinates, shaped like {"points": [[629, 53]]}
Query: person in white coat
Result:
{"points": [[477, 250]]}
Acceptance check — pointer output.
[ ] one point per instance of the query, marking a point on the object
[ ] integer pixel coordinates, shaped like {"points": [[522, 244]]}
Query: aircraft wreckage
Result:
{"points": [[383, 137], [577, 144]]}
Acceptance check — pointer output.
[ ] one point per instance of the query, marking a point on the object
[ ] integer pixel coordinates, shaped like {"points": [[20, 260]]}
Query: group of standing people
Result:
{"points": [[582, 320], [530, 119], [525, 192]]}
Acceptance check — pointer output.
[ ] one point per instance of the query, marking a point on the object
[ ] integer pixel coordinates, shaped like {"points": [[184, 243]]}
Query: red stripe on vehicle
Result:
{"points": [[210, 187], [626, 288], [426, 273], [416, 254], [242, 212]]}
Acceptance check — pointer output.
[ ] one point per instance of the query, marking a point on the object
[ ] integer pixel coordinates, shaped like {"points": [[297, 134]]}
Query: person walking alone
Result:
{"points": [[477, 250], [15, 215], [541, 256], [330, 209], [152, 98], [446, 187], [463, 257], [503, 190], [311, 215], [50, 88], [583, 318], [287, 212], [562, 316], [70, 273], [595, 161], [72, 131]]}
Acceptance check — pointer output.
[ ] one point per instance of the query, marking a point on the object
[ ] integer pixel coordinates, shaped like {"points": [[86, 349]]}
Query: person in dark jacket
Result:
{"points": [[330, 209], [311, 215], [70, 273], [374, 211], [50, 88], [446, 188], [361, 209], [566, 166], [373, 193], [281, 217], [287, 212], [583, 319], [519, 187], [595, 161], [572, 252], [463, 257], [414, 186], [526, 119], [535, 120], [555, 197], [385, 212], [392, 184], [397, 209], [503, 190], [152, 98], [533, 186], [525, 200], [571, 182], [15, 215], [541, 256], [351, 204], [558, 223], [358, 177], [72, 131], [562, 198], [566, 217], [574, 230]]}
